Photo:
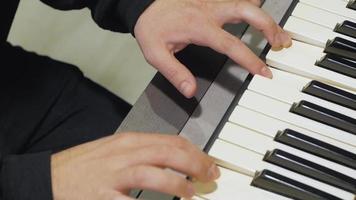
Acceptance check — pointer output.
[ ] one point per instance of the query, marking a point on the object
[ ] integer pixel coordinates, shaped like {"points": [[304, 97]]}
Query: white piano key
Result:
{"points": [[231, 184], [260, 144], [300, 59], [336, 7], [280, 110], [318, 16], [270, 126], [242, 158], [311, 33], [278, 90], [246, 138], [233, 155], [289, 79], [294, 81]]}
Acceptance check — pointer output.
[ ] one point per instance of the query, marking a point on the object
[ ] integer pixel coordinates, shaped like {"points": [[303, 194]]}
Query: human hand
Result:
{"points": [[168, 26], [109, 168]]}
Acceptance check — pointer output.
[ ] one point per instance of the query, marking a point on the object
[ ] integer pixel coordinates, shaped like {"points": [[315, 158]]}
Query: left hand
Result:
{"points": [[110, 167], [168, 26]]}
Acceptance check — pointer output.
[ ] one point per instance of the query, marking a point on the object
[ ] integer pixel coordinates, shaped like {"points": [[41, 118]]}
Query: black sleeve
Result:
{"points": [[114, 15], [26, 177]]}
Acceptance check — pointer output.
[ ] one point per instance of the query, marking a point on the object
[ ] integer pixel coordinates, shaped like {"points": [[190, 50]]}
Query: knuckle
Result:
{"points": [[163, 151], [171, 73], [201, 166], [197, 170], [127, 138], [150, 57], [257, 2], [180, 141], [166, 161], [139, 175], [238, 5], [179, 184], [267, 22], [162, 157]]}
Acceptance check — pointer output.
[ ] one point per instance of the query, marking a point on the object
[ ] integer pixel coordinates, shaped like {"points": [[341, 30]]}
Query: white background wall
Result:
{"points": [[111, 59]]}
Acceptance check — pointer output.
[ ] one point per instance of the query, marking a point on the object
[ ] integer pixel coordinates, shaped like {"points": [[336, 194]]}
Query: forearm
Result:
{"points": [[114, 15]]}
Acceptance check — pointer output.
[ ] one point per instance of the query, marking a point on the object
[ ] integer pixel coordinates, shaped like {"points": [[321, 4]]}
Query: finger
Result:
{"points": [[133, 141], [121, 142], [121, 197], [283, 37], [235, 11], [157, 149], [195, 164], [255, 2], [156, 179], [139, 140], [227, 44], [176, 73], [117, 195]]}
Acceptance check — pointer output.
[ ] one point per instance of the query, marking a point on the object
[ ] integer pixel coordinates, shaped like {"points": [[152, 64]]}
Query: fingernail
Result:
{"points": [[287, 40], [213, 172], [288, 44], [190, 190], [277, 48], [282, 40], [266, 72], [185, 88]]}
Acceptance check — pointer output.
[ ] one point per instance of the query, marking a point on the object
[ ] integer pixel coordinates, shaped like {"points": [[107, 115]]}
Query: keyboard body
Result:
{"points": [[221, 84]]}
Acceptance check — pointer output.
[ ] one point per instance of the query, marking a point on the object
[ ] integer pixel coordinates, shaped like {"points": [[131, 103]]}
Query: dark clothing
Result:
{"points": [[47, 106], [114, 15], [7, 13]]}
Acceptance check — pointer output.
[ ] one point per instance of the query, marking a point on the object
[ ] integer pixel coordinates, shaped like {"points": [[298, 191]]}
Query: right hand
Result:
{"points": [[109, 168], [168, 26]]}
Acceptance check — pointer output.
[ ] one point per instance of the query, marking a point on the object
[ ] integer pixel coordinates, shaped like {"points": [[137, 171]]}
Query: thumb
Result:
{"points": [[174, 71]]}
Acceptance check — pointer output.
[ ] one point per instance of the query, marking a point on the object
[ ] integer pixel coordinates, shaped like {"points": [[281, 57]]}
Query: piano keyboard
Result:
{"points": [[294, 137]]}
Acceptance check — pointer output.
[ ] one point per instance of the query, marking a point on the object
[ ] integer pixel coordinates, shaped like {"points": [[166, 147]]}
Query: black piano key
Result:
{"points": [[287, 187], [341, 47], [325, 116], [338, 64], [352, 4], [347, 28], [310, 169], [332, 94], [316, 147]]}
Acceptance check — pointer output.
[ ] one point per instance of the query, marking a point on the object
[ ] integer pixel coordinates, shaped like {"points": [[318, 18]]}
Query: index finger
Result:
{"points": [[236, 10], [225, 43]]}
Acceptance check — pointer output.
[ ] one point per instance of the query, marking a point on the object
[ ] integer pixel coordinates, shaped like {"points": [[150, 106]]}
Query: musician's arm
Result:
{"points": [[163, 28], [115, 15]]}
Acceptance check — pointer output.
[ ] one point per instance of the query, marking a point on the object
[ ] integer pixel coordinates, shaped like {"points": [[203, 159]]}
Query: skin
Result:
{"points": [[109, 168], [200, 22]]}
